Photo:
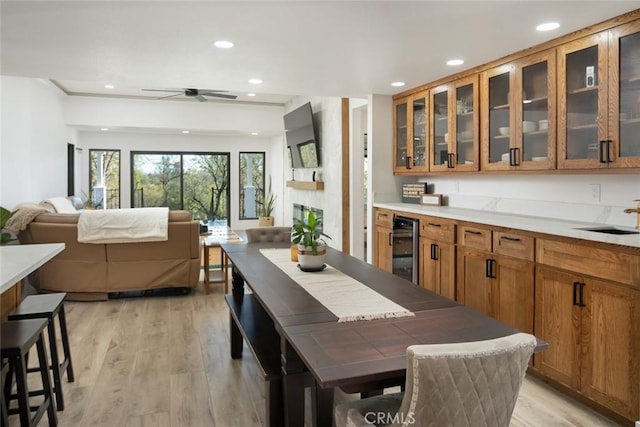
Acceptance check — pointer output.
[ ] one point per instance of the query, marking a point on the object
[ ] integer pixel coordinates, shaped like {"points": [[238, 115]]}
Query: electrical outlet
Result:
{"points": [[595, 192]]}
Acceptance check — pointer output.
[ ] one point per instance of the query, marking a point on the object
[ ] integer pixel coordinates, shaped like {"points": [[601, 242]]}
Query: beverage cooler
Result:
{"points": [[405, 248]]}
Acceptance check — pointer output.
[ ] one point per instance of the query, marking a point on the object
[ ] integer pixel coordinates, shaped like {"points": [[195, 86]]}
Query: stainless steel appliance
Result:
{"points": [[405, 248]]}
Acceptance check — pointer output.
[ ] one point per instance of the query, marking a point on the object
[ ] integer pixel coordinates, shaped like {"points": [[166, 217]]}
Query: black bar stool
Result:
{"points": [[3, 404], [48, 306], [18, 337]]}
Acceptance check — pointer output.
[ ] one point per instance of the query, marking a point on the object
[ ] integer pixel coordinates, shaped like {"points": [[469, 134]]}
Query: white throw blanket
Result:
{"points": [[123, 225], [342, 295]]}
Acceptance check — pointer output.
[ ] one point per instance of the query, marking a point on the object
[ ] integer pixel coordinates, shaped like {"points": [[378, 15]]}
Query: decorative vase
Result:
{"points": [[265, 221], [310, 261]]}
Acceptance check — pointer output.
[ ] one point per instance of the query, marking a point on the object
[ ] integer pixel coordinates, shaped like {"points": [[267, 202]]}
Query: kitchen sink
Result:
{"points": [[610, 230]]}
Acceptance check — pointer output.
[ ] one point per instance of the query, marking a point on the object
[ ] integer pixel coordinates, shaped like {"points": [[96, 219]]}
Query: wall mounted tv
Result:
{"points": [[302, 143]]}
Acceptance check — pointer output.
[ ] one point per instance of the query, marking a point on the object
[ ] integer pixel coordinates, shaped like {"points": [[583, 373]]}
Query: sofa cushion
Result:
{"points": [[60, 205]]}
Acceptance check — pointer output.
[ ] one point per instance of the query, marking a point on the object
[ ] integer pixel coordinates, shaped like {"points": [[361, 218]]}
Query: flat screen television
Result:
{"points": [[302, 142]]}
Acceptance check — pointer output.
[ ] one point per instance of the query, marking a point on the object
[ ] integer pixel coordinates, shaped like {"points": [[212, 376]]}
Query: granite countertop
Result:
{"points": [[551, 226]]}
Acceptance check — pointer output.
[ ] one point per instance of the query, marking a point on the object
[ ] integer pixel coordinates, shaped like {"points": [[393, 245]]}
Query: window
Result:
{"points": [[104, 179], [196, 182], [251, 185]]}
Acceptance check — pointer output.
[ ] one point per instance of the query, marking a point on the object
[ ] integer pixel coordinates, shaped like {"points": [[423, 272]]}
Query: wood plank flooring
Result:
{"points": [[164, 362]]}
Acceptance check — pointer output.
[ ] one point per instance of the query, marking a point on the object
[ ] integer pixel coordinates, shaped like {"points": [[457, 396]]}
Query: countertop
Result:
{"points": [[18, 261], [551, 226]]}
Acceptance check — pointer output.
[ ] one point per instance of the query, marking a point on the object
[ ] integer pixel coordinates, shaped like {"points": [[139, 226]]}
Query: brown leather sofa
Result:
{"points": [[91, 271]]}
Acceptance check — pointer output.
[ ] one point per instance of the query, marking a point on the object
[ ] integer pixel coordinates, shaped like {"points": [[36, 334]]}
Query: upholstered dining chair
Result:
{"points": [[268, 234], [462, 384]]}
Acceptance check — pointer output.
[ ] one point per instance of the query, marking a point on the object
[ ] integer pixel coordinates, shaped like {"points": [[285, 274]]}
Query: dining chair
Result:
{"points": [[462, 384], [268, 234]]}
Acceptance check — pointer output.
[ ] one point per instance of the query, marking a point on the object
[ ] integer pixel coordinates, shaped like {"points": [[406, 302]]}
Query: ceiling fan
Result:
{"points": [[198, 94]]}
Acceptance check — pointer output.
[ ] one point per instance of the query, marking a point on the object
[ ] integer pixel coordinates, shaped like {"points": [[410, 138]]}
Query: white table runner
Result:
{"points": [[344, 296]]}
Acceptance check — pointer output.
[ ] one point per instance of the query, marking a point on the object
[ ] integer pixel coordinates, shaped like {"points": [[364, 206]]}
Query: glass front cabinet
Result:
{"points": [[454, 125], [599, 99], [519, 107], [410, 137]]}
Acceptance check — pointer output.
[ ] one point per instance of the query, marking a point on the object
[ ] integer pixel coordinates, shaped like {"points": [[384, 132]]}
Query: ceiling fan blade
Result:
{"points": [[203, 91], [162, 90], [200, 98], [169, 96], [219, 95]]}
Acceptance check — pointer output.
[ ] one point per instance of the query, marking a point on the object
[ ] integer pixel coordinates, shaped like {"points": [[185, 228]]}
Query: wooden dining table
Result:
{"points": [[299, 343]]}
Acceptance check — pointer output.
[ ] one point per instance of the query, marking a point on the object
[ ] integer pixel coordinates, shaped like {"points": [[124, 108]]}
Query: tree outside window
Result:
{"points": [[104, 179], [252, 184]]}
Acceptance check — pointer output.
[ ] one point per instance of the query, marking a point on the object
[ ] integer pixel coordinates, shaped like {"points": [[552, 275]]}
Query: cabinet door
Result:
{"points": [[498, 133], [419, 161], [624, 95], [611, 340], [582, 103], [474, 285], [437, 267], [384, 248], [401, 152], [535, 142], [440, 128], [513, 293], [557, 321], [466, 125]]}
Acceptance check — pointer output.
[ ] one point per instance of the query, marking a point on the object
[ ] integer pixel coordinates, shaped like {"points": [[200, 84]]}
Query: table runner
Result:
{"points": [[344, 296]]}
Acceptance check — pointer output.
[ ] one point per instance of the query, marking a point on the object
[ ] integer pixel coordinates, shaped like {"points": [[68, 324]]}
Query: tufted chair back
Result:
{"points": [[269, 234], [462, 384]]}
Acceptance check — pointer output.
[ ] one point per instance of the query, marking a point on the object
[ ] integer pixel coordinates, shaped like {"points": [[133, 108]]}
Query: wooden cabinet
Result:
{"points": [[495, 274], [519, 103], [599, 100], [588, 310], [383, 240], [437, 256], [454, 126], [410, 137]]}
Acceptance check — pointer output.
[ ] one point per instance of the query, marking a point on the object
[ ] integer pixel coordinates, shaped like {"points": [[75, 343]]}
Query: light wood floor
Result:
{"points": [[164, 361]]}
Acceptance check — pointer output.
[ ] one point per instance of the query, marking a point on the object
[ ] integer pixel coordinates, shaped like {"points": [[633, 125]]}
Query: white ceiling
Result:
{"points": [[313, 48]]}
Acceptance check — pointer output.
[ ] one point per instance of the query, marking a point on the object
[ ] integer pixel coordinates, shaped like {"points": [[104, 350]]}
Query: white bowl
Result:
{"points": [[466, 134], [504, 131], [446, 137], [505, 157], [528, 127]]}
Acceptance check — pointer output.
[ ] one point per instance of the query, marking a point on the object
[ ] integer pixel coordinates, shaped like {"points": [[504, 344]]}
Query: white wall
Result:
{"points": [[33, 148], [327, 113]]}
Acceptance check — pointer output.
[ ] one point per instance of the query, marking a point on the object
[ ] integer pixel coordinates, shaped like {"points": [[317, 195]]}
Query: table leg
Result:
{"points": [[321, 407], [207, 284], [234, 329], [293, 385], [237, 282]]}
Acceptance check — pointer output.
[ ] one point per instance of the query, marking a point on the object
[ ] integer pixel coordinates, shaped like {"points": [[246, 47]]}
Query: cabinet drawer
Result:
{"points": [[384, 218], [474, 237], [437, 229], [603, 263], [513, 244]]}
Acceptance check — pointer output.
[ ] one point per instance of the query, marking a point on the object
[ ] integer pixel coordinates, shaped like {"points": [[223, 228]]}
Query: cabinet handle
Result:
{"points": [[451, 158], [390, 239], [603, 143], [512, 160], [408, 164], [477, 233], [575, 292], [487, 268], [609, 141], [434, 252], [516, 156], [493, 265], [511, 239], [435, 225], [581, 303]]}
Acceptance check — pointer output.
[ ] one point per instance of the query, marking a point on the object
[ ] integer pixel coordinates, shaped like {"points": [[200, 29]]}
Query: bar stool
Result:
{"points": [[3, 404], [48, 306], [18, 337]]}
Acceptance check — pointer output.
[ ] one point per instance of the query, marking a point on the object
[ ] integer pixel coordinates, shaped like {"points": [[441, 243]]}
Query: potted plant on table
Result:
{"points": [[266, 219], [5, 237], [308, 235]]}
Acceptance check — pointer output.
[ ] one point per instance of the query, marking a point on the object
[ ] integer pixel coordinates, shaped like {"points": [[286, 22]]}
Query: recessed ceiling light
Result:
{"points": [[251, 94], [254, 133], [455, 62], [255, 81], [185, 131], [397, 84], [109, 86], [548, 26], [223, 44], [104, 129]]}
